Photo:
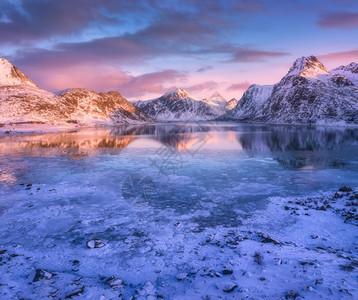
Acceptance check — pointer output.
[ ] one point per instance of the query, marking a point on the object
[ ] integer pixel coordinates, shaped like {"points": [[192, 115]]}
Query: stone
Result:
{"points": [[267, 239], [345, 189], [182, 276], [227, 271], [258, 258], [291, 295], [42, 274], [338, 195], [226, 286], [95, 243], [115, 282], [75, 292]]}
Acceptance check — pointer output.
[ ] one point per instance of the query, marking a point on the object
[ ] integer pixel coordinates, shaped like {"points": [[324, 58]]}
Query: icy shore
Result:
{"points": [[294, 248]]}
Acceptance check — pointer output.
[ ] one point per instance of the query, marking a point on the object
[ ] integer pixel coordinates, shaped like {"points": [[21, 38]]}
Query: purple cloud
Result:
{"points": [[149, 83], [204, 69], [342, 20], [32, 20], [247, 6], [253, 55]]}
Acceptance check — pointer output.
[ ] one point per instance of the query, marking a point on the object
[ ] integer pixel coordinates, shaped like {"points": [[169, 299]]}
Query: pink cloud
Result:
{"points": [[239, 86], [351, 55], [207, 85], [342, 20], [104, 78], [150, 83], [78, 76]]}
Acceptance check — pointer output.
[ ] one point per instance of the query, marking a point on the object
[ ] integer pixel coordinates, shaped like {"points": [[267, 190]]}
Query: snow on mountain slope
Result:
{"points": [[91, 107], [178, 105], [231, 104], [350, 71], [308, 67], [11, 75], [250, 104], [22, 101], [308, 94]]}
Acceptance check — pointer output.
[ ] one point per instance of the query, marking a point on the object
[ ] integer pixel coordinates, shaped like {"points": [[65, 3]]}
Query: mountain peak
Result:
{"points": [[178, 93], [352, 67], [307, 66], [11, 75]]}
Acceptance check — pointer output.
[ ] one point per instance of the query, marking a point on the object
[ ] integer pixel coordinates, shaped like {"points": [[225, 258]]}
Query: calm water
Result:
{"points": [[223, 171]]}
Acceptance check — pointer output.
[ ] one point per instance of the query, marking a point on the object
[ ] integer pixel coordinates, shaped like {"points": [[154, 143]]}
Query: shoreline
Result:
{"points": [[310, 255], [29, 128]]}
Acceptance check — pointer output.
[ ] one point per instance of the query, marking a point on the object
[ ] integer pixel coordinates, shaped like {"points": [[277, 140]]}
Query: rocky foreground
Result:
{"points": [[305, 248]]}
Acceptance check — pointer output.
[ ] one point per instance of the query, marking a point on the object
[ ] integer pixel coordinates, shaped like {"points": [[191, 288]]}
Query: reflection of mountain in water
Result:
{"points": [[277, 138], [177, 136], [70, 144], [250, 137], [294, 147], [181, 137], [300, 147]]}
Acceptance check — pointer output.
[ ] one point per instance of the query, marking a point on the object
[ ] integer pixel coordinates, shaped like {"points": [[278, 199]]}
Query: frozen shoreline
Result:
{"points": [[294, 248], [39, 128]]}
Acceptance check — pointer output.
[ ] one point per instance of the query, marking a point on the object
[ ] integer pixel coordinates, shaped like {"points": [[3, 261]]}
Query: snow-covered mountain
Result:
{"points": [[231, 104], [89, 106], [179, 105], [21, 100], [307, 94], [251, 103], [350, 71], [11, 75]]}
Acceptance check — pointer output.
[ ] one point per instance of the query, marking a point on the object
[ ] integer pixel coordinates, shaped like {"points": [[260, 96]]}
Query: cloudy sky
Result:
{"points": [[145, 48]]}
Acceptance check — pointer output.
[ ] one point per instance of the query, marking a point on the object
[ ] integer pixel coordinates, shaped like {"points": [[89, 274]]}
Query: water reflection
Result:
{"points": [[304, 148], [71, 144], [279, 138], [181, 137]]}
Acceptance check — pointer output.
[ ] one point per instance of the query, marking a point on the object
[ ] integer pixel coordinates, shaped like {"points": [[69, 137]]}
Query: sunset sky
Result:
{"points": [[145, 48]]}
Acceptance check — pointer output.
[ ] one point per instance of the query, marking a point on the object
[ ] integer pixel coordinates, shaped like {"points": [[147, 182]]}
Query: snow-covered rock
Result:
{"points": [[308, 94], [11, 75], [249, 106], [231, 104], [23, 101], [350, 71], [179, 105], [95, 243], [88, 107], [226, 286]]}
